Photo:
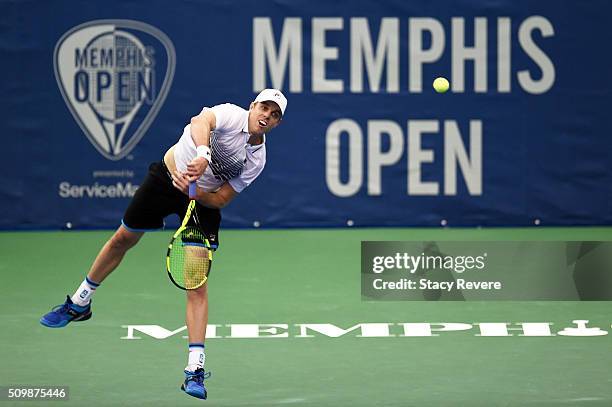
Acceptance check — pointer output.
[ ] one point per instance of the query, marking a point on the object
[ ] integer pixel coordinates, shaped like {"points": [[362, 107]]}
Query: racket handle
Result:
{"points": [[192, 190]]}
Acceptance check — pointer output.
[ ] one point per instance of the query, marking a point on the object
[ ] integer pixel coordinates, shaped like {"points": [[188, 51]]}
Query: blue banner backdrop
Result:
{"points": [[92, 92]]}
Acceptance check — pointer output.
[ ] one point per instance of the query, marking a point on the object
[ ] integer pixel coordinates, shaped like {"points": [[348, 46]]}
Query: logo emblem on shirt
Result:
{"points": [[114, 76]]}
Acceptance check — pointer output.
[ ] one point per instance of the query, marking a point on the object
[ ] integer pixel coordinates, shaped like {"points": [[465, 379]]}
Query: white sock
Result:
{"points": [[196, 357], [83, 294]]}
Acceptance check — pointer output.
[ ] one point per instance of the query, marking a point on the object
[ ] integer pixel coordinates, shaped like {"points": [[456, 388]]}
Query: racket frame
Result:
{"points": [[191, 210]]}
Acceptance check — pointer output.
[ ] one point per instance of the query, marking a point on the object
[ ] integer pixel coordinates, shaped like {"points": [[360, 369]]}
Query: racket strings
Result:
{"points": [[189, 258]]}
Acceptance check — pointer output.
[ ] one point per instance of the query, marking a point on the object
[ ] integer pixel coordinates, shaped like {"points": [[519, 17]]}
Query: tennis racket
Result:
{"points": [[189, 255]]}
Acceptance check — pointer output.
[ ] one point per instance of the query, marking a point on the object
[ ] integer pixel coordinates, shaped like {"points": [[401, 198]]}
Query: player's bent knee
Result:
{"points": [[124, 239]]}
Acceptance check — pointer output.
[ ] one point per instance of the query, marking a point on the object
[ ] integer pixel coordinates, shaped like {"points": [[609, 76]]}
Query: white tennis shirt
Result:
{"points": [[233, 159]]}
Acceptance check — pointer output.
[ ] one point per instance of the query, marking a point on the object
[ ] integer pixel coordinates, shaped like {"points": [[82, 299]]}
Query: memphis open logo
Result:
{"points": [[114, 76]]}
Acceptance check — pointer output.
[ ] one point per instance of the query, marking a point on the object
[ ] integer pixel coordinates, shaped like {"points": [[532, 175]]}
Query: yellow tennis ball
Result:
{"points": [[441, 84]]}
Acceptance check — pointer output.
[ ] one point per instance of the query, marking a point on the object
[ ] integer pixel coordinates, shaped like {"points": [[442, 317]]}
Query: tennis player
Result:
{"points": [[223, 149]]}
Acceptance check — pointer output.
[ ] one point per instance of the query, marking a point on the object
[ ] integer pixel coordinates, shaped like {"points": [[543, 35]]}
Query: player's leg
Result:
{"points": [[148, 208], [197, 310], [112, 253], [78, 307], [106, 261], [197, 320]]}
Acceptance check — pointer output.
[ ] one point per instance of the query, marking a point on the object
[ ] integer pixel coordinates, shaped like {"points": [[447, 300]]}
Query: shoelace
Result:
{"points": [[62, 307], [198, 377], [65, 307]]}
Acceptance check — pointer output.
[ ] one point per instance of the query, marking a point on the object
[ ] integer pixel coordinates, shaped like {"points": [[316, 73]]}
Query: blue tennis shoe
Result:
{"points": [[62, 315], [194, 383]]}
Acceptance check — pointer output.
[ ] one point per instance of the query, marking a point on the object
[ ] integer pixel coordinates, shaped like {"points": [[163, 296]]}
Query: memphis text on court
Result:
{"points": [[371, 330]]}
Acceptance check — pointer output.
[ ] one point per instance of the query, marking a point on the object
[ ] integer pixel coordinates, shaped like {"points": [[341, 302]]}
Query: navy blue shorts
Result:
{"points": [[156, 198]]}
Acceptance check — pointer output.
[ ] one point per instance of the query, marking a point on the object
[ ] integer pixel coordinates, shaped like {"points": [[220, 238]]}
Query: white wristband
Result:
{"points": [[203, 151]]}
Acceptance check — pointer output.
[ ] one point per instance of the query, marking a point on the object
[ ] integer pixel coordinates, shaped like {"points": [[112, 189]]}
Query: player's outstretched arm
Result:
{"points": [[217, 199]]}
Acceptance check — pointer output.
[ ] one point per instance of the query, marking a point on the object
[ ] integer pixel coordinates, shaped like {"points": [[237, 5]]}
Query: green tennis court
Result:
{"points": [[283, 280]]}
